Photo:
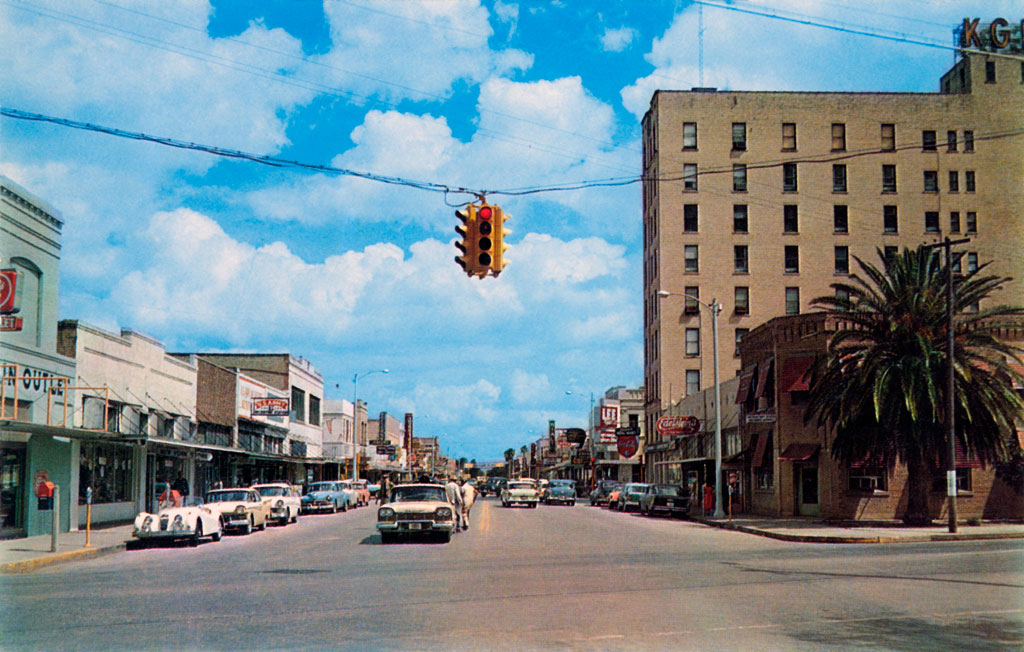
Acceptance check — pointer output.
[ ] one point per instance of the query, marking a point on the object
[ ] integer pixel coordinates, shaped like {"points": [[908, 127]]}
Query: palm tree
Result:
{"points": [[509, 456], [881, 386]]}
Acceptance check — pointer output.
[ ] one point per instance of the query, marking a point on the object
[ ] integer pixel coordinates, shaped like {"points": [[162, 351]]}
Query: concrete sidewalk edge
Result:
{"points": [[52, 559], [829, 538]]}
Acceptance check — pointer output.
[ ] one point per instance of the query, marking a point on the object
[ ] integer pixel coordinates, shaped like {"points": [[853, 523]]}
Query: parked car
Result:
{"points": [[599, 496], [241, 509], [192, 520], [520, 492], [374, 488], [542, 488], [416, 510], [667, 499], [560, 491], [362, 489], [284, 501], [629, 496], [328, 496]]}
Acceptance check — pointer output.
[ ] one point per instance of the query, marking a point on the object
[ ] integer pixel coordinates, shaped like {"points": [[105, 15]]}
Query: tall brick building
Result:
{"points": [[761, 200]]}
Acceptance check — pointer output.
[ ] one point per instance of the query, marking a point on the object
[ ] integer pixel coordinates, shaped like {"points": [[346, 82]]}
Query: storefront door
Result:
{"points": [[808, 490], [12, 491]]}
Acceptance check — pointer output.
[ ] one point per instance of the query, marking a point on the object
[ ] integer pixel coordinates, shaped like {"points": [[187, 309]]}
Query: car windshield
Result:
{"points": [[636, 488], [192, 501], [520, 485], [227, 496], [322, 486], [670, 491], [562, 483], [413, 494], [272, 491]]}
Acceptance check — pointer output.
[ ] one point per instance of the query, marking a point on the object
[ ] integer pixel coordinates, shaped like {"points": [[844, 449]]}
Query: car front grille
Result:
{"points": [[416, 516]]}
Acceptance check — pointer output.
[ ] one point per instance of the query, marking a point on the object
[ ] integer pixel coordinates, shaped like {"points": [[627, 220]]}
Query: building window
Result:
{"points": [[314, 410], [969, 180], [789, 177], [954, 222], [888, 137], [790, 219], [741, 300], [739, 136], [692, 381], [868, 478], [740, 260], [298, 411], [972, 222], [792, 301], [690, 177], [954, 181], [963, 480], [838, 136], [689, 135], [692, 296], [890, 220], [931, 221], [951, 141], [690, 260], [931, 181], [740, 334], [693, 341], [972, 261], [690, 218], [792, 255], [928, 143], [107, 468], [842, 260], [968, 141], [739, 218], [990, 72], [739, 177], [838, 178], [888, 178], [840, 219], [789, 136]]}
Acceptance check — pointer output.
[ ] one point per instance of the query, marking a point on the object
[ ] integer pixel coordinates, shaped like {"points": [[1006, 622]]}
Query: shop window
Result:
{"points": [[107, 468]]}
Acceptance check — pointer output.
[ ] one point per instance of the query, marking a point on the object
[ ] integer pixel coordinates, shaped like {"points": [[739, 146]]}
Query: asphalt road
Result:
{"points": [[551, 578]]}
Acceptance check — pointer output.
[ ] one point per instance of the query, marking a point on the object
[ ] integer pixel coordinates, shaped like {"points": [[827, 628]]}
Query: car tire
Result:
{"points": [[344, 507], [263, 526], [215, 535], [572, 503], [248, 527], [295, 517], [197, 535], [445, 536], [387, 537]]}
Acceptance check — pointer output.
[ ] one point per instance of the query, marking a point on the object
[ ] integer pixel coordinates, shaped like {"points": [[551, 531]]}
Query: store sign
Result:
{"points": [[269, 406], [10, 323], [767, 416], [33, 384], [996, 35], [10, 291], [678, 426], [609, 421], [628, 445]]}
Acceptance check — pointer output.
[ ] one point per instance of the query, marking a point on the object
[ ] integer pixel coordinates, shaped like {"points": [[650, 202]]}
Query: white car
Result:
{"points": [[192, 520], [416, 510], [520, 492], [284, 501], [240, 509]]}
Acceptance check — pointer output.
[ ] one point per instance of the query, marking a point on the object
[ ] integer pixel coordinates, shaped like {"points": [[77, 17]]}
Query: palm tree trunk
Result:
{"points": [[918, 486]]}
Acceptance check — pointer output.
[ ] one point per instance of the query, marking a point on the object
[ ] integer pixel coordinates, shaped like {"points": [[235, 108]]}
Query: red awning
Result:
{"points": [[799, 452], [762, 443], [794, 372], [743, 391], [762, 379]]}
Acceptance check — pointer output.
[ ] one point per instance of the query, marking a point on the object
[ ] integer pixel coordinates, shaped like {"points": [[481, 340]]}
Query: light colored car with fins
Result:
{"points": [[520, 492], [284, 501], [241, 509], [416, 511]]}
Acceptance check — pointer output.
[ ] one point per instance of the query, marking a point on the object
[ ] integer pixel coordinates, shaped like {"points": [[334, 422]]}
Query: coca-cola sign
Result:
{"points": [[627, 445]]}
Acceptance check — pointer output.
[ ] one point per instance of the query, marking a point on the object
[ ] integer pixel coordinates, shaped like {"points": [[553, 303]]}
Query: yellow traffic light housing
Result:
{"points": [[482, 235], [468, 231], [498, 237]]}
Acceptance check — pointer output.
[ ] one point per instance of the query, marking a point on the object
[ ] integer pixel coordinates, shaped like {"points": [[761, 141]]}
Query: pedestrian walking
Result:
{"points": [[385, 490], [709, 499], [454, 493], [468, 498]]}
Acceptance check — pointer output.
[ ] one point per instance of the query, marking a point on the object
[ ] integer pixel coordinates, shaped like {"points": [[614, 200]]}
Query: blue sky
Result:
{"points": [[207, 253]]}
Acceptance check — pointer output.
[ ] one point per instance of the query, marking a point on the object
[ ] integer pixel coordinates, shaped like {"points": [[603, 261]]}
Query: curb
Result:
{"points": [[29, 565], [826, 538]]}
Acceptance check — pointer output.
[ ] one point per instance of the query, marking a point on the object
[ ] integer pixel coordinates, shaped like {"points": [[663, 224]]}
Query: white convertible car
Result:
{"points": [[193, 521], [416, 510], [283, 500]]}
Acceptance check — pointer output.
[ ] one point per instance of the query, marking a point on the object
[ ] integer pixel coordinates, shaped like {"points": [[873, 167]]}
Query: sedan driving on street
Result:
{"points": [[562, 492], [520, 492], [328, 497], [416, 510]]}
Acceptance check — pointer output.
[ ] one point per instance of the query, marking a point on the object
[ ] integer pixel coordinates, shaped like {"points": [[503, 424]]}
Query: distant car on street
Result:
{"points": [[361, 487], [668, 499], [599, 496], [520, 492], [328, 496], [561, 491], [241, 509], [416, 510], [284, 501], [628, 497], [192, 520]]}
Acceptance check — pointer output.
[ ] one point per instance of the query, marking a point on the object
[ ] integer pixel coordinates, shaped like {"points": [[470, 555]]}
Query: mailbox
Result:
{"points": [[45, 493]]}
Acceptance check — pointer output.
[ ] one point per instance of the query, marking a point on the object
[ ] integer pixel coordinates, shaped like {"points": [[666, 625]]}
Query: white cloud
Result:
{"points": [[617, 40], [529, 388]]}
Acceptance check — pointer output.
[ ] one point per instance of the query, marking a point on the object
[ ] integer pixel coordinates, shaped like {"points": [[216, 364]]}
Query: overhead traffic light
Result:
{"points": [[468, 231], [482, 245], [498, 237]]}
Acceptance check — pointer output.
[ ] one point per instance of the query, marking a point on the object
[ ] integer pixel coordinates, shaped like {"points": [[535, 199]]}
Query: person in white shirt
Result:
{"points": [[455, 498], [468, 498]]}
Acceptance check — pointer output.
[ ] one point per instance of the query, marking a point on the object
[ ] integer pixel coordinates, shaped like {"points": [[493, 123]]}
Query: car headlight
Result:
{"points": [[178, 523], [147, 523], [385, 514], [240, 509], [444, 512], [280, 503]]}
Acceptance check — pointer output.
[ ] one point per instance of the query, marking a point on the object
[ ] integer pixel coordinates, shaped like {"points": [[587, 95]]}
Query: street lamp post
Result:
{"points": [[590, 432], [355, 418], [715, 308]]}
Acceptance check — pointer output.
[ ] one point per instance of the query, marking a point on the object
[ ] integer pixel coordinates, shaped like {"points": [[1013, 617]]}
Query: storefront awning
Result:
{"points": [[746, 378], [794, 374], [70, 433], [762, 443], [762, 379], [799, 452]]}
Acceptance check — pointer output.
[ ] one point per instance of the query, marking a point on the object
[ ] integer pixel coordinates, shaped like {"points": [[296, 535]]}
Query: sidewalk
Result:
{"points": [[807, 530], [27, 554]]}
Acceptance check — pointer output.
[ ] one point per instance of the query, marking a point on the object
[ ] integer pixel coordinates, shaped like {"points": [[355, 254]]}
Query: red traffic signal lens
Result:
{"points": [[484, 212]]}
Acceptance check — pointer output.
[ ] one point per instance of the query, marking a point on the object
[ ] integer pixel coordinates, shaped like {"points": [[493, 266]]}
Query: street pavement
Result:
{"points": [[551, 578]]}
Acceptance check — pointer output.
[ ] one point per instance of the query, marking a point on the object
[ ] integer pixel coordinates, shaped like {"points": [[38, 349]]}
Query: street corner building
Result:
{"points": [[754, 203]]}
